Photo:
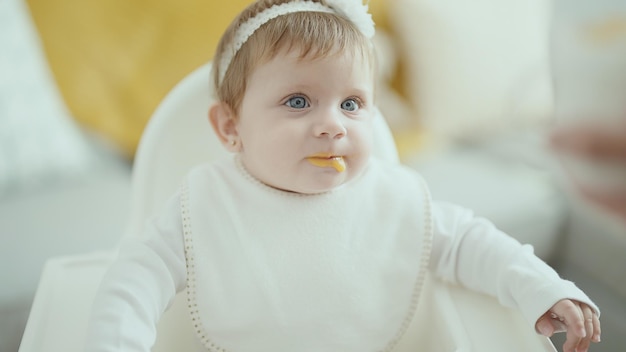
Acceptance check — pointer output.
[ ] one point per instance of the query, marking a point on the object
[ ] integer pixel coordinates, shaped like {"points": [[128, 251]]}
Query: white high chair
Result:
{"points": [[178, 136]]}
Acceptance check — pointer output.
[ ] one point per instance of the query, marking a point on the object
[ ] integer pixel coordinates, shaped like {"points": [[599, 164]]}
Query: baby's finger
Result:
{"points": [[597, 331], [589, 326], [572, 341], [592, 323], [570, 313], [544, 326], [550, 324], [573, 317], [584, 343]]}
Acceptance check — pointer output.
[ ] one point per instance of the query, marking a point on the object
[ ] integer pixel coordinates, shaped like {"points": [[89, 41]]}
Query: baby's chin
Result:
{"points": [[308, 190]]}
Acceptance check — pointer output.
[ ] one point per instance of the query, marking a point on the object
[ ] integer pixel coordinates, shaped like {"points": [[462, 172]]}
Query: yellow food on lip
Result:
{"points": [[336, 162]]}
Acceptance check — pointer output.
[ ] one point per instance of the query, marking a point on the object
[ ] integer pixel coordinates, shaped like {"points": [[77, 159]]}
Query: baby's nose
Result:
{"points": [[330, 126]]}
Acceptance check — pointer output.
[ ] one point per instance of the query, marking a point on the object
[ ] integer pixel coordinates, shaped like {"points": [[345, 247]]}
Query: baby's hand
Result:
{"points": [[577, 319]]}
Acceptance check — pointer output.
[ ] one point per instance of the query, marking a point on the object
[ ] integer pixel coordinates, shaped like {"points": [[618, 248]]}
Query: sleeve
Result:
{"points": [[471, 251], [139, 286]]}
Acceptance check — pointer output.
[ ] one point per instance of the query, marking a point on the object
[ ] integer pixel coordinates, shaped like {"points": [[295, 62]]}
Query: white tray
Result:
{"points": [[452, 319]]}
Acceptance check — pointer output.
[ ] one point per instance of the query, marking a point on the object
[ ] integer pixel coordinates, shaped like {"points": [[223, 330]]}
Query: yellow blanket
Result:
{"points": [[115, 60]]}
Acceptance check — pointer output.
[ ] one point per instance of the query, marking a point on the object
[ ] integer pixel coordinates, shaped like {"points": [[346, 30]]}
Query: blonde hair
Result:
{"points": [[313, 34]]}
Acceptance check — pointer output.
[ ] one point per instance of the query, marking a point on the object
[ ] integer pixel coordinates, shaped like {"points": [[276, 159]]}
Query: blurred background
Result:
{"points": [[466, 88]]}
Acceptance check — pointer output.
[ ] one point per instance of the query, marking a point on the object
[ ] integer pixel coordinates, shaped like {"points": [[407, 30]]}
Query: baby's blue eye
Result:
{"points": [[297, 102], [350, 105]]}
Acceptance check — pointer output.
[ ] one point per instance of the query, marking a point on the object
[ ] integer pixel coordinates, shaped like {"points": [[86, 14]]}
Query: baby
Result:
{"points": [[302, 240]]}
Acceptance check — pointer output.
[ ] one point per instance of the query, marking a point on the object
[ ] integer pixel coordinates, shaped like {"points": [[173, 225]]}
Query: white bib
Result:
{"points": [[269, 270]]}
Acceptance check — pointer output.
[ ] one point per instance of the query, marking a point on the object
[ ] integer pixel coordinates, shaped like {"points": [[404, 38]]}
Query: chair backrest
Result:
{"points": [[179, 136]]}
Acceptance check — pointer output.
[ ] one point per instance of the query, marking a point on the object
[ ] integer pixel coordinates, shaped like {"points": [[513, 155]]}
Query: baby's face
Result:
{"points": [[306, 125]]}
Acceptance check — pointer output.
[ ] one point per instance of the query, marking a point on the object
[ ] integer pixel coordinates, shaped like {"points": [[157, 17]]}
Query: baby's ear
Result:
{"points": [[222, 119]]}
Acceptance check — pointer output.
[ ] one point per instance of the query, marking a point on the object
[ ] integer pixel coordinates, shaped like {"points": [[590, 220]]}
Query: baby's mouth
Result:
{"points": [[325, 160]]}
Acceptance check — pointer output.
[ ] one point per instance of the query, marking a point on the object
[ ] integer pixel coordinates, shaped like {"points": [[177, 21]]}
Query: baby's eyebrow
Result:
{"points": [[360, 91], [363, 94], [298, 86]]}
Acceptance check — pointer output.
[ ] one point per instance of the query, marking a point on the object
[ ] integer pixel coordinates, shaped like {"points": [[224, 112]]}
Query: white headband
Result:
{"points": [[351, 9]]}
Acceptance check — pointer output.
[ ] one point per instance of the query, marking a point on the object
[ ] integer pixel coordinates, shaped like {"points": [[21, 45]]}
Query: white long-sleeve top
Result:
{"points": [[268, 270]]}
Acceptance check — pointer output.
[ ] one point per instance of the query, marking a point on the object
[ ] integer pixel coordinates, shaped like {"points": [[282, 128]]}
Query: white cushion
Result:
{"points": [[475, 66], [519, 199]]}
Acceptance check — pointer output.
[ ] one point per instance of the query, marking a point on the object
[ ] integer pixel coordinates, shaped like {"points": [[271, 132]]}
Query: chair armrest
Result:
{"points": [[60, 310], [451, 318], [493, 327]]}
